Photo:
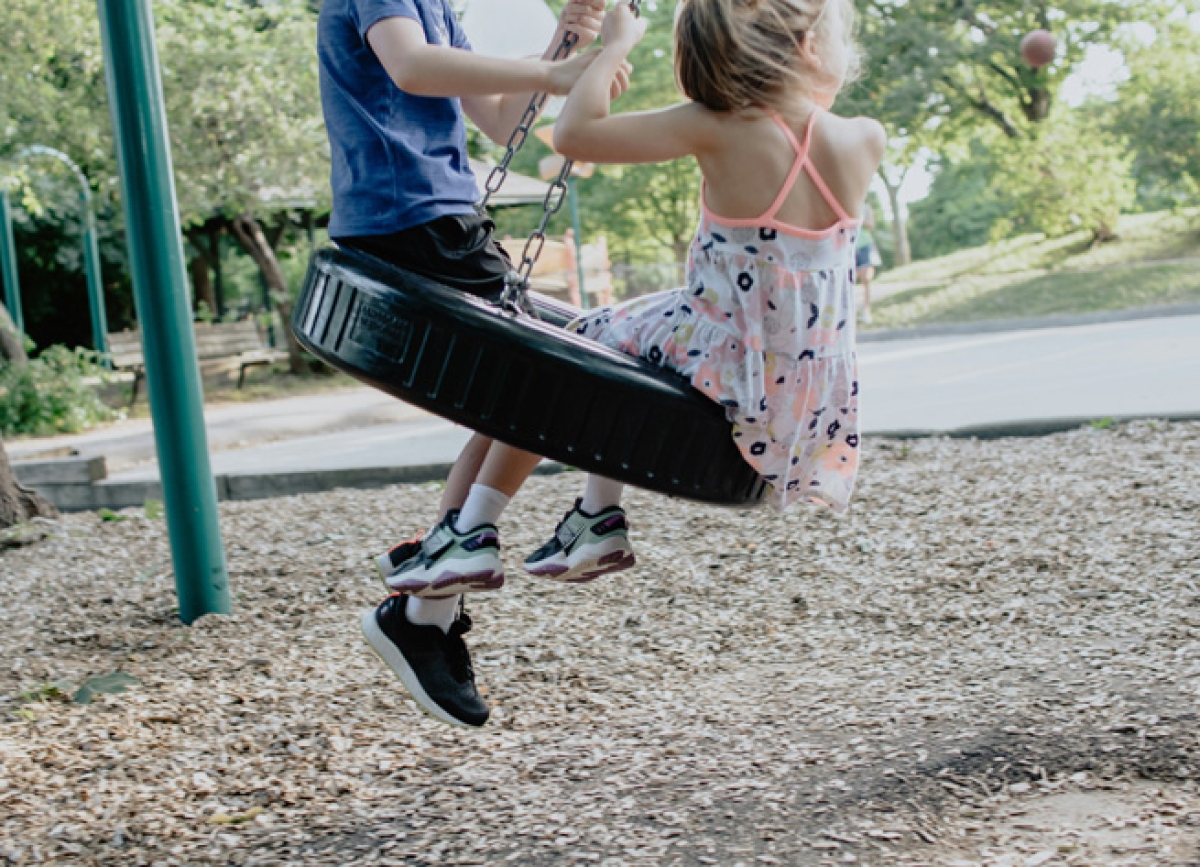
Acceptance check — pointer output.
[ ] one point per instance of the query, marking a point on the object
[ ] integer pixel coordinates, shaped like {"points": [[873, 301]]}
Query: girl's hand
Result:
{"points": [[622, 29], [583, 18]]}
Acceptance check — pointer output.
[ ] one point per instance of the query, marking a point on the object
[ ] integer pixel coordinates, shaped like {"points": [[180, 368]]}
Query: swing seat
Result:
{"points": [[524, 381]]}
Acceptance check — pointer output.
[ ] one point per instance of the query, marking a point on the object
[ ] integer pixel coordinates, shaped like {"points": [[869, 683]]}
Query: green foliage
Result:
{"points": [[1070, 175], [51, 393], [1158, 110], [961, 210], [240, 82]]}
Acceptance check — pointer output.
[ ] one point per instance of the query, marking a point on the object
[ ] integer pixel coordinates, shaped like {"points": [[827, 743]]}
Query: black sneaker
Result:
{"points": [[435, 666]]}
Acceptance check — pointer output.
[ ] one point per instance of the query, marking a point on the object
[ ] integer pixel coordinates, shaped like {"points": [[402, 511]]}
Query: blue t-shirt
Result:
{"points": [[398, 160]]}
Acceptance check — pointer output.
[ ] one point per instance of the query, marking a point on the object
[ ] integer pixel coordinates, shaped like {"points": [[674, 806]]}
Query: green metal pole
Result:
{"points": [[91, 267], [159, 283], [571, 197], [8, 264]]}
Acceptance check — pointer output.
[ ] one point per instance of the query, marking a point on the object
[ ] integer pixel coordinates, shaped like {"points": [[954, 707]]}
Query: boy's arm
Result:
{"points": [[422, 69], [585, 131]]}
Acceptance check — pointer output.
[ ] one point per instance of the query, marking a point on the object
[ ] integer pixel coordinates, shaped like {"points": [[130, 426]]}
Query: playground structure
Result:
{"points": [[91, 250]]}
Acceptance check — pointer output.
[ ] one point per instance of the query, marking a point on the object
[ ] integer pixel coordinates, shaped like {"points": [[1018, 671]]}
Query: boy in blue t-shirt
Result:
{"points": [[396, 78]]}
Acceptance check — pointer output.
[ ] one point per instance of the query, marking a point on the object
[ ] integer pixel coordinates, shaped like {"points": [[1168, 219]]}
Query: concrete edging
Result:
{"points": [[1040, 322], [117, 494]]}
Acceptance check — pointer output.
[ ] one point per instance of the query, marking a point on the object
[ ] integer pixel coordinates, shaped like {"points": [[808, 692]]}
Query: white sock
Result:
{"points": [[601, 494], [432, 612], [484, 505]]}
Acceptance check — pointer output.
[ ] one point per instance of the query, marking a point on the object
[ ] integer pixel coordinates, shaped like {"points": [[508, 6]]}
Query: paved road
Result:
{"points": [[234, 426], [1149, 366]]}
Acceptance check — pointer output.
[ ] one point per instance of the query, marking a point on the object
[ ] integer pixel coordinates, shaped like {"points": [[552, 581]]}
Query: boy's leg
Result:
{"points": [[432, 663], [458, 483], [590, 541], [421, 639], [458, 250], [463, 474]]}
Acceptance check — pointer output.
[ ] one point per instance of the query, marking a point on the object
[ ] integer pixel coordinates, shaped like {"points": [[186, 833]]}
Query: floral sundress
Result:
{"points": [[764, 327]]}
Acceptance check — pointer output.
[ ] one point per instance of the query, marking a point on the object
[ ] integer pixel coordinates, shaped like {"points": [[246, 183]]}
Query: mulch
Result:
{"points": [[994, 659]]}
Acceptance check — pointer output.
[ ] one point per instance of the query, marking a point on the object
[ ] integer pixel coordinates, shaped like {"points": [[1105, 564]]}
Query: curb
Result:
{"points": [[1036, 427], [1040, 322], [116, 494]]}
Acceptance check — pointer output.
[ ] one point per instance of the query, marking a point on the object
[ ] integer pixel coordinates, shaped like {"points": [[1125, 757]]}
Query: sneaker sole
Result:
{"points": [[450, 585], [617, 561], [390, 655]]}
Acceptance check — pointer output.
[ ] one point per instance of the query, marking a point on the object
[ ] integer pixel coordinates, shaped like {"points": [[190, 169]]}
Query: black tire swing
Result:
{"points": [[517, 377]]}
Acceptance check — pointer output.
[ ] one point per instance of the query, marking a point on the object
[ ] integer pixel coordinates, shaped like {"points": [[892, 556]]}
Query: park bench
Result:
{"points": [[235, 342]]}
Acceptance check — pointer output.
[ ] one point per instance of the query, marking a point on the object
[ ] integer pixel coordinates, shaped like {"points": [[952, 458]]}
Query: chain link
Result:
{"points": [[499, 172], [516, 283]]}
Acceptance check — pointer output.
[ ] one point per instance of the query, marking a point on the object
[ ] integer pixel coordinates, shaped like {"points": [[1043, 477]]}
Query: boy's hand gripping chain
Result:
{"points": [[516, 283]]}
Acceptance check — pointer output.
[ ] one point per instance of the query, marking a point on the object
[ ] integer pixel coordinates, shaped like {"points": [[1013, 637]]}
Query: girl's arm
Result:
{"points": [[498, 115], [585, 131]]}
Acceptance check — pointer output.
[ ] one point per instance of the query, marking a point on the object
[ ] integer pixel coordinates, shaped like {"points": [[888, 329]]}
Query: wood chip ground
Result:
{"points": [[993, 660]]}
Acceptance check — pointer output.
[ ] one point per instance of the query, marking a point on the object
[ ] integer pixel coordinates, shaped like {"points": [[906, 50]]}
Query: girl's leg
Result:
{"points": [[600, 494], [590, 541], [500, 476]]}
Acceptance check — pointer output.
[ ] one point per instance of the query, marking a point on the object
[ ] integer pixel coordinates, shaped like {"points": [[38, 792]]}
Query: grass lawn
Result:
{"points": [[1156, 260]]}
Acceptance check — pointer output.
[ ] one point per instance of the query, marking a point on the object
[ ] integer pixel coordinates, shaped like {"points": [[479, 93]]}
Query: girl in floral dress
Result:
{"points": [[765, 325]]}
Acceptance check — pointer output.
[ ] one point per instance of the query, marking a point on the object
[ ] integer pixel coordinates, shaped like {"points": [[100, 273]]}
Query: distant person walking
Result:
{"points": [[866, 260]]}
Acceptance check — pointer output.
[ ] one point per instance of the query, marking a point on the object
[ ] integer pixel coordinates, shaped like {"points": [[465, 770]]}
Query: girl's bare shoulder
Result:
{"points": [[861, 135]]}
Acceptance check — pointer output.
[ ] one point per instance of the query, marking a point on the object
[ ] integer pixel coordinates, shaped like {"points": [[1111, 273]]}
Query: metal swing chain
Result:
{"points": [[516, 283]]}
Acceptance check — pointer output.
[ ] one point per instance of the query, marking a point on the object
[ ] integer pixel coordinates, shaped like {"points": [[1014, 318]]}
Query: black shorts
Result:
{"points": [[457, 250]]}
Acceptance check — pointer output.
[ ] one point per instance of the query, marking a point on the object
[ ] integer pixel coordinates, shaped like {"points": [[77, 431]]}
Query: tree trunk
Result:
{"points": [[12, 341], [679, 248], [17, 503], [903, 253], [202, 287], [250, 235], [1037, 107]]}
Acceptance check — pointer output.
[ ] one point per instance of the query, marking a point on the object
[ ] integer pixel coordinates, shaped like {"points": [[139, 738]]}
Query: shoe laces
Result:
{"points": [[457, 655]]}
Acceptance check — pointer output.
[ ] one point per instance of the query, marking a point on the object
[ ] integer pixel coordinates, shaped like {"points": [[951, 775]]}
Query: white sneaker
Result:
{"points": [[584, 547]]}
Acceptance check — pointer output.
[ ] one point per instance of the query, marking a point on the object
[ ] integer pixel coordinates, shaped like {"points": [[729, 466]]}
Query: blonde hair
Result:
{"points": [[738, 54]]}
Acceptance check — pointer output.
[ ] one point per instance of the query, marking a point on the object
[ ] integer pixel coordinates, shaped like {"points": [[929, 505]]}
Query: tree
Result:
{"points": [[962, 208], [1072, 175], [246, 127], [1158, 110], [17, 503]]}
